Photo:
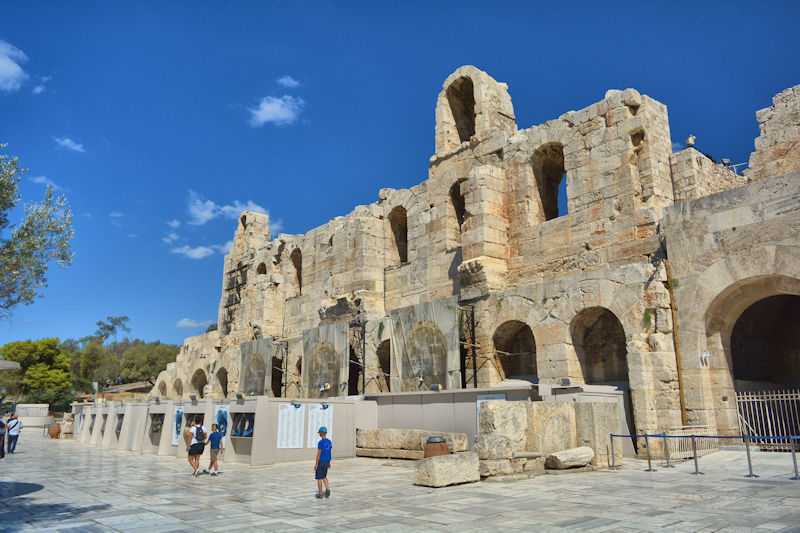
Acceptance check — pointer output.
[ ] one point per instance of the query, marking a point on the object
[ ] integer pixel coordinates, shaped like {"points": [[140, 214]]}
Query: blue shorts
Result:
{"points": [[322, 470]]}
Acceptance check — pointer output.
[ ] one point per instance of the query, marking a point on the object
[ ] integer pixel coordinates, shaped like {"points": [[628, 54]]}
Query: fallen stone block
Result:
{"points": [[507, 478], [407, 439], [571, 458], [518, 465], [444, 470], [493, 447], [495, 467], [389, 453]]}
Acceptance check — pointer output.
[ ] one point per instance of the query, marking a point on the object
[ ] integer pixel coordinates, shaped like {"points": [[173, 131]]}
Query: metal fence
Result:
{"points": [[765, 415], [682, 448]]}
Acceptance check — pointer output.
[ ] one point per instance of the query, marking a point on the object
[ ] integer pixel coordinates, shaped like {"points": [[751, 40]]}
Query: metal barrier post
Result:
{"points": [[794, 457], [666, 452], [613, 455], [649, 460], [749, 461], [694, 452]]}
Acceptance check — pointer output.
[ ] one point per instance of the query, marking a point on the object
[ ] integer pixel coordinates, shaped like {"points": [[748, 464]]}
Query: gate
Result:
{"points": [[768, 414]]}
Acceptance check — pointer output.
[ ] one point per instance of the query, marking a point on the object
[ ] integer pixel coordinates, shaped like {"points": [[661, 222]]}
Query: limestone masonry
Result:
{"points": [[670, 277]]}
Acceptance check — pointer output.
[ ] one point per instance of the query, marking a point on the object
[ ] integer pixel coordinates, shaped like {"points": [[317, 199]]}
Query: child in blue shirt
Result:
{"points": [[323, 462], [216, 449]]}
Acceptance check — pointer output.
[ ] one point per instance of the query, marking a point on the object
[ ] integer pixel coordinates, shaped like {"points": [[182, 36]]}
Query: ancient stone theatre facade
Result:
{"points": [[669, 276]]}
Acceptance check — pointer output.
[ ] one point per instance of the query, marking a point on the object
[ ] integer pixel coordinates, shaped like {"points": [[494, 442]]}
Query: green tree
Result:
{"points": [[91, 359], [42, 236], [44, 373], [144, 361]]}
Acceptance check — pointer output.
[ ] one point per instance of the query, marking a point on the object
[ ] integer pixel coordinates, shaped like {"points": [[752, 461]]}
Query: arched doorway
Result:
{"points": [[516, 350], [398, 221], [426, 357], [255, 375], [384, 354], [765, 345], [324, 368], [222, 379], [199, 382], [177, 386], [599, 341], [461, 97], [162, 388]]}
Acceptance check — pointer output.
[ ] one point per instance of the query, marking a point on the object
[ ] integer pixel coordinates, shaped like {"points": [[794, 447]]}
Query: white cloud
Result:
{"points": [[170, 238], [39, 89], [288, 82], [42, 180], [275, 226], [223, 248], [279, 111], [202, 210], [198, 252], [116, 218], [174, 223], [11, 74], [69, 144], [193, 323]]}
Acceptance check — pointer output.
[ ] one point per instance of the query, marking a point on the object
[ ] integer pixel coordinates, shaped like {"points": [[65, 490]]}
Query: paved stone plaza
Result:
{"points": [[62, 486]]}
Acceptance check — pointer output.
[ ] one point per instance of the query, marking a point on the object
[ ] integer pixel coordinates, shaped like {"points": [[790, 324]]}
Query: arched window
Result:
{"points": [[459, 204], [162, 389], [254, 376], [548, 168], [199, 381], [599, 341], [461, 97], [177, 386], [243, 221], [425, 361], [324, 369], [261, 269], [516, 350], [222, 379], [297, 262], [277, 377], [384, 354], [399, 222]]}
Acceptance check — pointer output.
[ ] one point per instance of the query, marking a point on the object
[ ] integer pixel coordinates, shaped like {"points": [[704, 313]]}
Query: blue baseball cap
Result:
{"points": [[323, 429]]}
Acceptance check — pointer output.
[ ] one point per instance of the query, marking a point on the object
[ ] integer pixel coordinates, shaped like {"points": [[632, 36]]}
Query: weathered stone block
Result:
{"points": [[551, 426], [571, 458], [444, 470], [495, 467], [493, 447], [505, 419]]}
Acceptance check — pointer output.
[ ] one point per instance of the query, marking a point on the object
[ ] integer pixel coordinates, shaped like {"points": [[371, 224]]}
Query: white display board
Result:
{"points": [[291, 419], [221, 414], [319, 415], [495, 396]]}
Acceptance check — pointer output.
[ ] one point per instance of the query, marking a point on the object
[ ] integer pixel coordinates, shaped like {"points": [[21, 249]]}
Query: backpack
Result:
{"points": [[199, 434]]}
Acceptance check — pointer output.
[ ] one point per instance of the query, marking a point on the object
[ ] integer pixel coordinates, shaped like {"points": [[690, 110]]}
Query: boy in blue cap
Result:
{"points": [[323, 462]]}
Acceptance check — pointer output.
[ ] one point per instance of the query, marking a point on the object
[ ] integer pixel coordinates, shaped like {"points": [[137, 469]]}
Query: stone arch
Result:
{"points": [[199, 381], [261, 269], [600, 345], [398, 221], [461, 99], [222, 381], [324, 371], [255, 375], [425, 361], [515, 348], [548, 169], [384, 355], [177, 387], [161, 388]]}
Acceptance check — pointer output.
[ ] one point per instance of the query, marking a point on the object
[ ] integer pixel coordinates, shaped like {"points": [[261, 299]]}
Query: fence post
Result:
{"points": [[694, 453], [613, 455], [794, 456], [749, 461], [647, 447], [666, 451]]}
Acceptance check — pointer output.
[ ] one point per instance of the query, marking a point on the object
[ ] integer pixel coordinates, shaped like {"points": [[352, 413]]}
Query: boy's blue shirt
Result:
{"points": [[215, 439], [326, 446]]}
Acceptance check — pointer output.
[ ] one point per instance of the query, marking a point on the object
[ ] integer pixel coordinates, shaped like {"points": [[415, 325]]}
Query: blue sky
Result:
{"points": [[160, 120]]}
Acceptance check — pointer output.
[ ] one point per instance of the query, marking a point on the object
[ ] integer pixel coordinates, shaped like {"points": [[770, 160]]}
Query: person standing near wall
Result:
{"points": [[2, 439], [197, 444], [12, 427]]}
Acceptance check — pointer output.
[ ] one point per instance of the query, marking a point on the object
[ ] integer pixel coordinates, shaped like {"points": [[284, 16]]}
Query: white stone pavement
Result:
{"points": [[63, 486]]}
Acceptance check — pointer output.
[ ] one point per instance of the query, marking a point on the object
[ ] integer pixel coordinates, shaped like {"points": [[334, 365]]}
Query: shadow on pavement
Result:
{"points": [[16, 511]]}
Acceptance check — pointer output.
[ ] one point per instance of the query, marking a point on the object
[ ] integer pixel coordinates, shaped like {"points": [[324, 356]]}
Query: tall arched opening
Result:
{"points": [[548, 169], [459, 204], [297, 261], [162, 388], [384, 354], [324, 371], [398, 220], [255, 375], [222, 380], [425, 363], [765, 345], [599, 342], [461, 97], [277, 377], [199, 382], [353, 373], [515, 348], [177, 386]]}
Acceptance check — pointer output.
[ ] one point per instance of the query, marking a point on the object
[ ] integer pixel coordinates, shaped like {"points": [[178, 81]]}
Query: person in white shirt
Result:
{"points": [[199, 434], [12, 427]]}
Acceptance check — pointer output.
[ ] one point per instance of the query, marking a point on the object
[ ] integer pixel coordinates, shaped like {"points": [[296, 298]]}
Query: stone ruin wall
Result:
{"points": [[778, 145], [484, 227]]}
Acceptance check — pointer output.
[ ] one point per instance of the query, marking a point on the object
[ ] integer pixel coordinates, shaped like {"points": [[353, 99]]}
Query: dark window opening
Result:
{"points": [[599, 342], [459, 204], [243, 220], [354, 374], [384, 354], [461, 97], [277, 377], [199, 381], [262, 269], [297, 261], [515, 348], [398, 220], [548, 168], [222, 377]]}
